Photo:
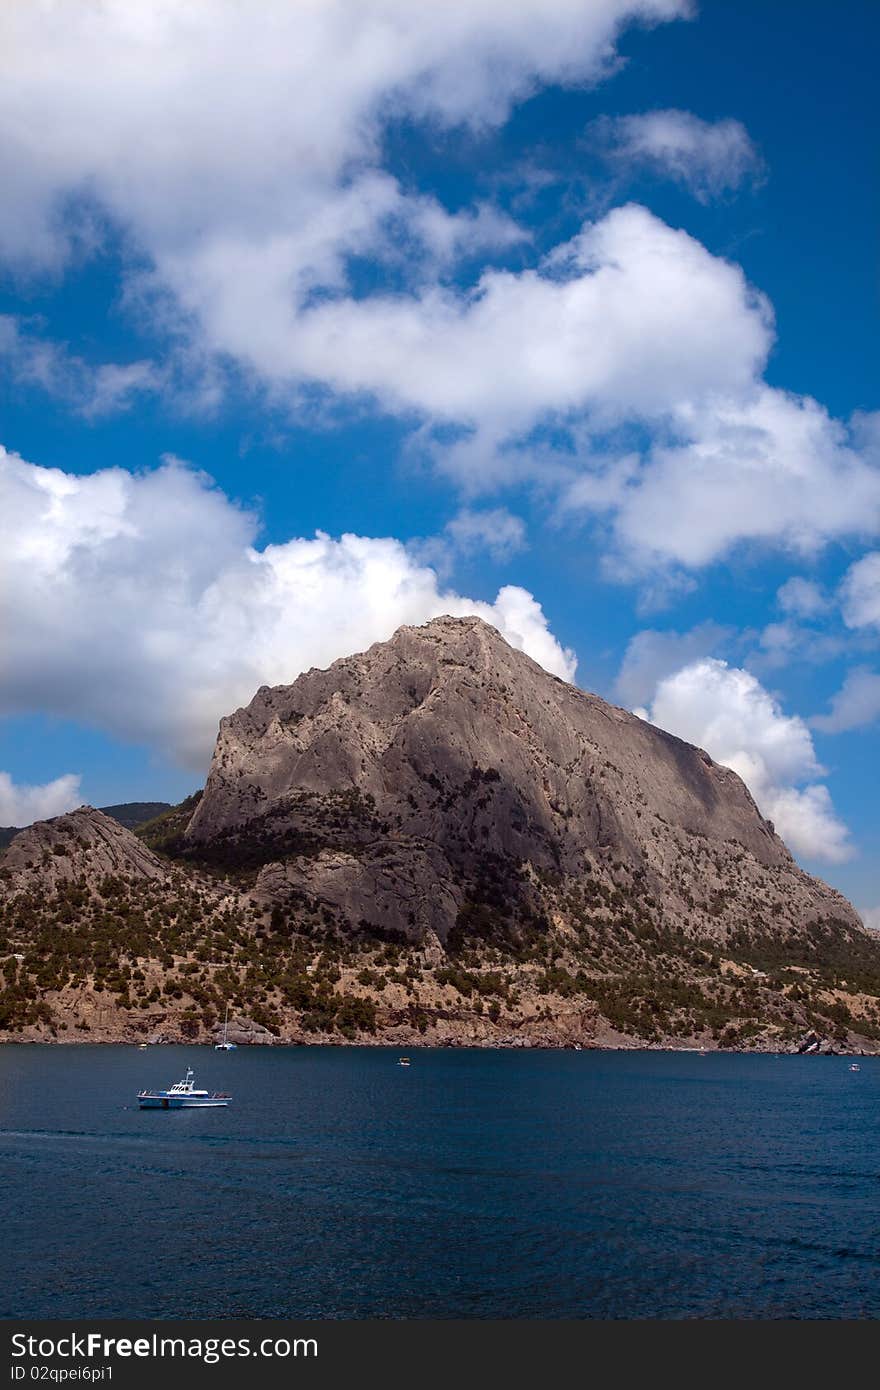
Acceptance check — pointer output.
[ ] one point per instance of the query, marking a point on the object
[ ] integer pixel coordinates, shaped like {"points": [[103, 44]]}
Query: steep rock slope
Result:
{"points": [[82, 844], [444, 776], [131, 814], [436, 841]]}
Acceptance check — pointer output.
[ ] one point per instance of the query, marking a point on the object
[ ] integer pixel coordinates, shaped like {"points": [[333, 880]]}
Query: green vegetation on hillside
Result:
{"points": [[132, 814], [152, 953]]}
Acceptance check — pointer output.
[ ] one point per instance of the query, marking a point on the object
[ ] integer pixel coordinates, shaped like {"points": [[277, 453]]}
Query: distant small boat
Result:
{"points": [[403, 1062], [855, 1067], [225, 1045], [142, 1047], [181, 1096]]}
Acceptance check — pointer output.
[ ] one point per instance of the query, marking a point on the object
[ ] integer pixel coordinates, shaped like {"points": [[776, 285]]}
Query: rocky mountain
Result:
{"points": [[424, 778], [436, 839], [82, 844], [131, 814]]}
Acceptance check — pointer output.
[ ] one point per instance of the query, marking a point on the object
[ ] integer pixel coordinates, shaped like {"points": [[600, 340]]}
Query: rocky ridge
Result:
{"points": [[131, 814], [393, 783], [83, 843], [436, 840]]}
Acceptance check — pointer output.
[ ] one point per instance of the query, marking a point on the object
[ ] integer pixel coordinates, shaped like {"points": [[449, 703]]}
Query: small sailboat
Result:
{"points": [[225, 1045], [183, 1095]]}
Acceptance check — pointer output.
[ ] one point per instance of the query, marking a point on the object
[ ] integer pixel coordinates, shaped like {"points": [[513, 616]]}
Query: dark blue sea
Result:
{"points": [[473, 1184]]}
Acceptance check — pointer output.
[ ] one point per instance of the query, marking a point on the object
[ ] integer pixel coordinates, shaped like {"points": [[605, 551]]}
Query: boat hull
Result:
{"points": [[182, 1102], [183, 1095]]}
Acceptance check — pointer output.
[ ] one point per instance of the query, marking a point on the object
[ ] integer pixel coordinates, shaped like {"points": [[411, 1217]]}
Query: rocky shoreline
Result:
{"points": [[456, 1034]]}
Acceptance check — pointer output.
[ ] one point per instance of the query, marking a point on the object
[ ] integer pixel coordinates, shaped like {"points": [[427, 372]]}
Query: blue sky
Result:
{"points": [[560, 317]]}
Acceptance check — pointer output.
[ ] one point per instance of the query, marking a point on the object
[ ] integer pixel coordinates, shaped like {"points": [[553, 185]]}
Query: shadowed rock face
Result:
{"points": [[443, 772], [83, 844]]}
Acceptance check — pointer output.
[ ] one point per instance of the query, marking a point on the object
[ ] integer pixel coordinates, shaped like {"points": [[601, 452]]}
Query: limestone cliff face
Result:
{"points": [[443, 774], [435, 841], [83, 844]]}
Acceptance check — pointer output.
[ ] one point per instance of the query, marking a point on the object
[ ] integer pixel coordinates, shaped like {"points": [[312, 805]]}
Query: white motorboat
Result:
{"points": [[183, 1095]]}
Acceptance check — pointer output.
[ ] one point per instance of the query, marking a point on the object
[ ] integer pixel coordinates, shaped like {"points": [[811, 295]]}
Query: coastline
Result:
{"points": [[760, 1048]]}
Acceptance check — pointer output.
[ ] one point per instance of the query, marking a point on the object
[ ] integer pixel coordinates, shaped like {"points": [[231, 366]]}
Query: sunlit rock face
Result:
{"points": [[444, 782]]}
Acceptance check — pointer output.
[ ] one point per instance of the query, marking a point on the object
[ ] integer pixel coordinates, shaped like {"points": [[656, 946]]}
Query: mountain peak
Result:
{"points": [[470, 639], [397, 772], [436, 821]]}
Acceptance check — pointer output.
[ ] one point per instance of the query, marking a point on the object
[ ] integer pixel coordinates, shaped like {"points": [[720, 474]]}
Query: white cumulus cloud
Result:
{"points": [[21, 804], [728, 712], [803, 598], [251, 136], [624, 319], [141, 604], [855, 704], [245, 229], [710, 158], [651, 655], [763, 467], [494, 529], [90, 389], [860, 592]]}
